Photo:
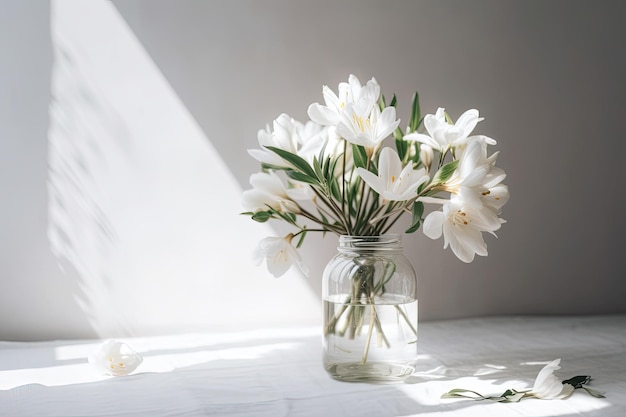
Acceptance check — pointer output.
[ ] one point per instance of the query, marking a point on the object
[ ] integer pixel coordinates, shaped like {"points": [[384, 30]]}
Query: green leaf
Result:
{"points": [[301, 240], [329, 170], [578, 381], [397, 134], [463, 393], [359, 154], [402, 146], [394, 101], [261, 216], [299, 176], [317, 167], [593, 392], [511, 396], [414, 227], [335, 190], [418, 210], [445, 172], [296, 161], [414, 120]]}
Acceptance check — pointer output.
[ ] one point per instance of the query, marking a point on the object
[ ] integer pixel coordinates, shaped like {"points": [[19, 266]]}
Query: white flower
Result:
{"points": [[270, 190], [364, 124], [349, 93], [283, 136], [115, 358], [305, 140], [547, 386], [279, 255], [394, 183], [477, 180], [462, 226], [314, 138], [442, 135], [355, 113], [477, 196]]}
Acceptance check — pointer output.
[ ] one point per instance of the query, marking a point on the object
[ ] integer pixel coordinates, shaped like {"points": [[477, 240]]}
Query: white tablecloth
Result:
{"points": [[278, 372]]}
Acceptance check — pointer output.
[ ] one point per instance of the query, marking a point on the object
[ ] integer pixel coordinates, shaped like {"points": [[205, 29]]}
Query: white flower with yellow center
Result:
{"points": [[393, 182], [462, 226], [279, 255], [477, 180], [355, 113], [364, 124], [115, 358], [348, 94]]}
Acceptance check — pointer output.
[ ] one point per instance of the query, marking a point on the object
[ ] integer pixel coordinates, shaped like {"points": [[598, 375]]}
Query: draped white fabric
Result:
{"points": [[278, 372]]}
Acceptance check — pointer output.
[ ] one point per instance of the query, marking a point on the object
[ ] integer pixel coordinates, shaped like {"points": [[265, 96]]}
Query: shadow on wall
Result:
{"points": [[141, 206], [87, 138]]}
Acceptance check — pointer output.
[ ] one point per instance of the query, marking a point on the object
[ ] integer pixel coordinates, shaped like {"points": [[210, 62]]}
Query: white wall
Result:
{"points": [[547, 76]]}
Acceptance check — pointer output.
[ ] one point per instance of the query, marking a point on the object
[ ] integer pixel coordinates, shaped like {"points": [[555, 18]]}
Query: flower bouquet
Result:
{"points": [[338, 173]]}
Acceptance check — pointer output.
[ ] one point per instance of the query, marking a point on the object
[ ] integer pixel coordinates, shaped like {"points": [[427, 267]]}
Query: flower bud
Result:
{"points": [[426, 155]]}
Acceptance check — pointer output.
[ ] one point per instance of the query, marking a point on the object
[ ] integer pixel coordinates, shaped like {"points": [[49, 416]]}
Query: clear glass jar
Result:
{"points": [[370, 311]]}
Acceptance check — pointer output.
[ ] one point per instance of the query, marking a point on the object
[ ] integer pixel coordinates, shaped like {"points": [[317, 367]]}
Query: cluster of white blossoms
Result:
{"points": [[335, 174]]}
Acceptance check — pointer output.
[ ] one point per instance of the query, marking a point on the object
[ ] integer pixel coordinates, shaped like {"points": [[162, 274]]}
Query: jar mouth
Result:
{"points": [[379, 242]]}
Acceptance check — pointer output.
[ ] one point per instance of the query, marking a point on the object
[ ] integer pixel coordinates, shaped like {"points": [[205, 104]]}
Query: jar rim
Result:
{"points": [[386, 241]]}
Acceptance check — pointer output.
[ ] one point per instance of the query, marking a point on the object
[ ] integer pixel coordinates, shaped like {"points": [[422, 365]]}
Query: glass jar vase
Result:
{"points": [[369, 291]]}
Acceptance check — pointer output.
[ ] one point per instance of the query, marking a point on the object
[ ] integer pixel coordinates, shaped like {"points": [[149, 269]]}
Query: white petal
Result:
{"points": [[483, 138], [567, 390], [372, 180], [253, 200], [270, 183], [495, 176], [298, 260], [389, 166], [547, 385], [432, 122], [470, 197], [387, 122], [425, 139], [498, 196], [267, 157], [354, 83], [433, 225], [278, 266], [330, 98], [468, 121], [433, 200], [303, 193], [466, 242], [323, 115]]}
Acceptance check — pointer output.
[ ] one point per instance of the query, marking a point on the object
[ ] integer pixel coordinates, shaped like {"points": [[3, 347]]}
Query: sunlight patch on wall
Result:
{"points": [[142, 210]]}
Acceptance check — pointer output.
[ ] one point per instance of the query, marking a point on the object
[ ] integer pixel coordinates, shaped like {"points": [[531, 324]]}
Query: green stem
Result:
{"points": [[329, 226], [386, 229], [406, 318], [369, 335]]}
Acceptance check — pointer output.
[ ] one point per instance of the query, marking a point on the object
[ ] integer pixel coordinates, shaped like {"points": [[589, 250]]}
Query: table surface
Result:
{"points": [[278, 372]]}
